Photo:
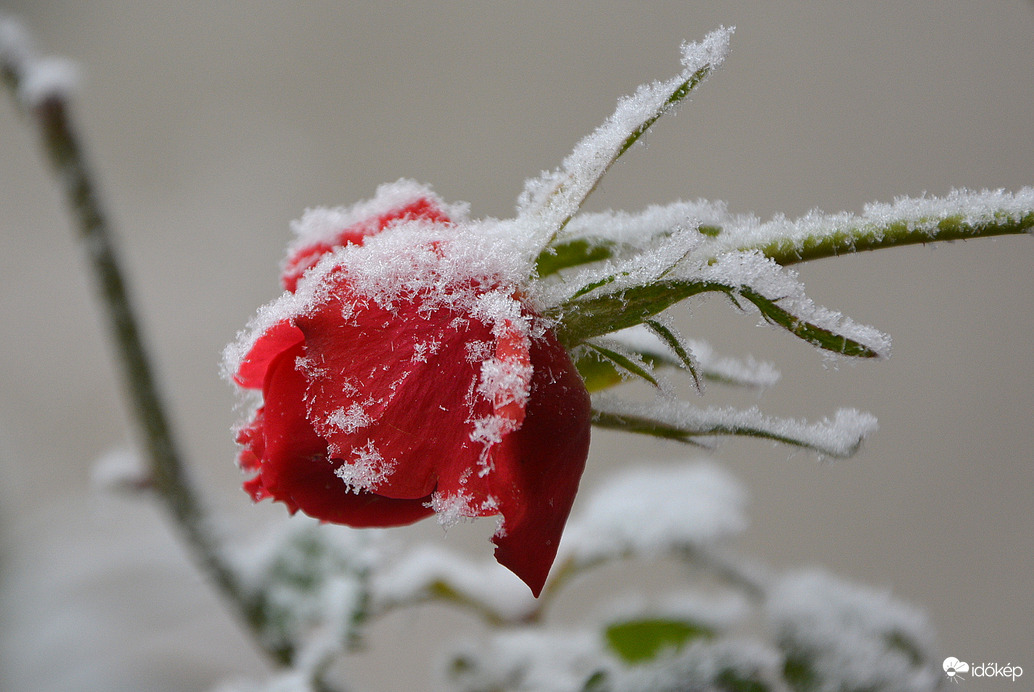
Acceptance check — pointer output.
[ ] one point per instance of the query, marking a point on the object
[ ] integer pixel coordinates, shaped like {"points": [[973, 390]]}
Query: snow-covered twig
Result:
{"points": [[42, 91]]}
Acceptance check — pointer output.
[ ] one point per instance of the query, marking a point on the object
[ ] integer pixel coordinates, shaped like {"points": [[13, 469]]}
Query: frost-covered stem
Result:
{"points": [[876, 236], [169, 476]]}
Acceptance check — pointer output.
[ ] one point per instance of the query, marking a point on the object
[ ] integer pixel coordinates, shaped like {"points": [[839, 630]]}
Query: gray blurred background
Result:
{"points": [[212, 125]]}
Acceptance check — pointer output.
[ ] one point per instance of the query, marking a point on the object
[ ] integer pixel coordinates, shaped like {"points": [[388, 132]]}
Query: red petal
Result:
{"points": [[398, 387], [304, 258], [537, 468], [253, 443], [277, 339], [295, 469]]}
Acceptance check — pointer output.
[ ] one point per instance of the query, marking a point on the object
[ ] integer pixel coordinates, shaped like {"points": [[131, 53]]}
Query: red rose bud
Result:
{"points": [[403, 374]]}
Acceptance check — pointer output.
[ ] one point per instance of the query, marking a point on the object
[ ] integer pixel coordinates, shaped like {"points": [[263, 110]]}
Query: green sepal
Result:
{"points": [[573, 253], [671, 430], [624, 362], [677, 348], [597, 372], [815, 335], [582, 317], [645, 425]]}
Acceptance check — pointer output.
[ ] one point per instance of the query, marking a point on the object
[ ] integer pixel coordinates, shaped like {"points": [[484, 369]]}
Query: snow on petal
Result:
{"points": [[321, 229]]}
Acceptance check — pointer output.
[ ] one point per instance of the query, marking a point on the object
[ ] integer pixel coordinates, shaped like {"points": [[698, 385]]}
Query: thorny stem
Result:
{"points": [[168, 475]]}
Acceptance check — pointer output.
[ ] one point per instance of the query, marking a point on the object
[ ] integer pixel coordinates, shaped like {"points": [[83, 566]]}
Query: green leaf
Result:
{"points": [[799, 673], [730, 680], [961, 215], [573, 253], [624, 362], [557, 195], [597, 372], [597, 682], [639, 641], [590, 287], [644, 425]]}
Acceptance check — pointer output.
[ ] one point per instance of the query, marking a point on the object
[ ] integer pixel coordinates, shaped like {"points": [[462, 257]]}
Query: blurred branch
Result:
{"points": [[41, 92]]}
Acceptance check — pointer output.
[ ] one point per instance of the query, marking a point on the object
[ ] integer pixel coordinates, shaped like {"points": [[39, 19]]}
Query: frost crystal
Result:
{"points": [[366, 470]]}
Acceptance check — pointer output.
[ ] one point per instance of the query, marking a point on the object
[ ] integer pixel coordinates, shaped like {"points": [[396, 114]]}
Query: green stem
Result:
{"points": [[872, 236], [169, 476]]}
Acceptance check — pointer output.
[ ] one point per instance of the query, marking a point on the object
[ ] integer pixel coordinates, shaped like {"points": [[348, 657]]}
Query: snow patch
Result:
{"points": [[366, 470], [656, 509]]}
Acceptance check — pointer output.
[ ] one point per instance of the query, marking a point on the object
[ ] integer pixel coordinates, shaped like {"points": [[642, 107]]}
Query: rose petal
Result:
{"points": [[537, 469], [395, 386], [295, 469], [281, 336]]}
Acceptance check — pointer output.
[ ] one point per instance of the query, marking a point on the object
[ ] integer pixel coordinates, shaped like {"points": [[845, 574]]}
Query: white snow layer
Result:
{"points": [[529, 661], [120, 468], [471, 266], [323, 224], [415, 576], [855, 636], [653, 510]]}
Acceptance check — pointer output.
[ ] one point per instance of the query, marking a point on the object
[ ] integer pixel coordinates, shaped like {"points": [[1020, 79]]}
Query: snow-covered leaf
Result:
{"points": [[674, 342], [836, 635], [573, 253], [593, 315], [653, 511], [555, 196], [677, 420]]}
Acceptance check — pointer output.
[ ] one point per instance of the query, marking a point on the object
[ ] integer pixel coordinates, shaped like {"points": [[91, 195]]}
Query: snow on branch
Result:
{"points": [[428, 573], [36, 78], [962, 214]]}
